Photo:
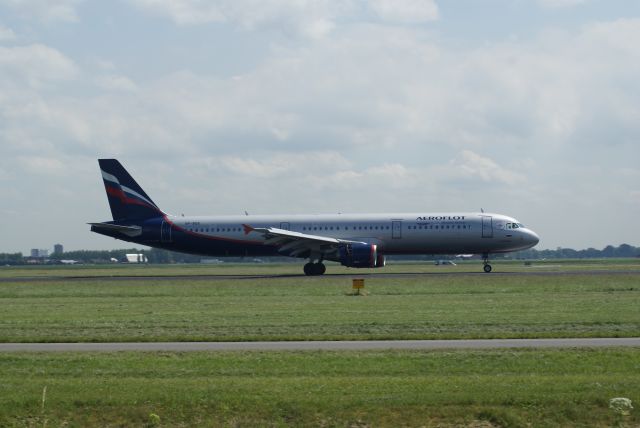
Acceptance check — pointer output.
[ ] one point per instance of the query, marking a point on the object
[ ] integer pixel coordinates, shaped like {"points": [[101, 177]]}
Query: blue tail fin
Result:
{"points": [[126, 198]]}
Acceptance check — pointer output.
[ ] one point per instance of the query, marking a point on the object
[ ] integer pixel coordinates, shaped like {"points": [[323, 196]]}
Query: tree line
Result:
{"points": [[155, 255]]}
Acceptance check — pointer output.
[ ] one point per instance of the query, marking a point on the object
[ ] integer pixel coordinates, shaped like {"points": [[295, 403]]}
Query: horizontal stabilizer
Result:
{"points": [[125, 230]]}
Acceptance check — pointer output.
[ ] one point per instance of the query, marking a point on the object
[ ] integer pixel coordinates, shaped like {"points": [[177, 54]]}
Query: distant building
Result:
{"points": [[137, 258], [39, 253], [58, 249]]}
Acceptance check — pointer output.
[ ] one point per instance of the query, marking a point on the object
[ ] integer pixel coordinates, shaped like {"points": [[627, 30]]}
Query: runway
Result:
{"points": [[239, 277], [364, 345]]}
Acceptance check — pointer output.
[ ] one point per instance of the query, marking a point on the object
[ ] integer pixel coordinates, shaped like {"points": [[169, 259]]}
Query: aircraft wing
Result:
{"points": [[296, 244]]}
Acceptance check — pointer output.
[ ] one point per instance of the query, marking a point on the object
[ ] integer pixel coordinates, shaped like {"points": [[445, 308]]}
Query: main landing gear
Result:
{"points": [[487, 266], [314, 269]]}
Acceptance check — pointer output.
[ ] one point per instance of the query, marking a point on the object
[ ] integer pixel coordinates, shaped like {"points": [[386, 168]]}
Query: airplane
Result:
{"points": [[353, 240]]}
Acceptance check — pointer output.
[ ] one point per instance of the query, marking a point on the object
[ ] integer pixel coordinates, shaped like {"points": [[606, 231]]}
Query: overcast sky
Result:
{"points": [[529, 108]]}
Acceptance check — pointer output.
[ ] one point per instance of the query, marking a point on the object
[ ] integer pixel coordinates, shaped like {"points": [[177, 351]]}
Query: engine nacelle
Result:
{"points": [[360, 255]]}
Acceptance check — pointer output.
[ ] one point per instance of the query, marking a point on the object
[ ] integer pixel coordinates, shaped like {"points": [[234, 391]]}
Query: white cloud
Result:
{"points": [[6, 34], [46, 10], [186, 11], [116, 83], [405, 11], [312, 18], [36, 64], [555, 4], [42, 166], [473, 166], [296, 165]]}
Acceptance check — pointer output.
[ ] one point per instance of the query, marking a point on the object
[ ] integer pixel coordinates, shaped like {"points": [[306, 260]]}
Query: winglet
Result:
{"points": [[247, 229]]}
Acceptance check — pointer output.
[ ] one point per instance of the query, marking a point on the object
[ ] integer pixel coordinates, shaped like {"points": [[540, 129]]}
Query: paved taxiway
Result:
{"points": [[339, 275], [346, 345]]}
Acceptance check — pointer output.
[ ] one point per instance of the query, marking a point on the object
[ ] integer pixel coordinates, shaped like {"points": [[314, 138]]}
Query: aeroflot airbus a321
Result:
{"points": [[353, 240]]}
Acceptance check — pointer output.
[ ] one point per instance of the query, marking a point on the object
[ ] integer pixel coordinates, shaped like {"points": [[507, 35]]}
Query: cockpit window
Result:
{"points": [[514, 225]]}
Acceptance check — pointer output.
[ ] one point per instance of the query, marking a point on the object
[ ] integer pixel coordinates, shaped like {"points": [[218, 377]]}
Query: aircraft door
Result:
{"points": [[285, 225], [487, 226], [165, 231], [396, 229]]}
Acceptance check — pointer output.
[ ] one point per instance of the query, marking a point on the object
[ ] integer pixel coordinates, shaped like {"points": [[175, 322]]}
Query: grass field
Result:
{"points": [[508, 388], [576, 304], [347, 389]]}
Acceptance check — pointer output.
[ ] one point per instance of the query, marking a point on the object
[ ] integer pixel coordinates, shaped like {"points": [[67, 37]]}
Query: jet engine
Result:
{"points": [[360, 255]]}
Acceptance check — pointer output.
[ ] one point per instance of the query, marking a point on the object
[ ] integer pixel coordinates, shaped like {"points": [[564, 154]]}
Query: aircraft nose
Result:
{"points": [[532, 238]]}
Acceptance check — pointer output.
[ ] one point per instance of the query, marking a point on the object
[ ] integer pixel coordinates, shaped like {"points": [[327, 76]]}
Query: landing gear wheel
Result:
{"points": [[314, 269], [308, 269], [485, 259]]}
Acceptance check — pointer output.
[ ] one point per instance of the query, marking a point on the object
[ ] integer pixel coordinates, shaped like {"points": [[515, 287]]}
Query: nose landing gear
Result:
{"points": [[487, 266]]}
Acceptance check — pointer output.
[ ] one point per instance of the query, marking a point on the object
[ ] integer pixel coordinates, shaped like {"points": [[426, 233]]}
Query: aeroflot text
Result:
{"points": [[442, 217]]}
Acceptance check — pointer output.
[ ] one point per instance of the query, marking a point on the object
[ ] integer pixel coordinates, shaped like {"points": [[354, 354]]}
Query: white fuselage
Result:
{"points": [[406, 233]]}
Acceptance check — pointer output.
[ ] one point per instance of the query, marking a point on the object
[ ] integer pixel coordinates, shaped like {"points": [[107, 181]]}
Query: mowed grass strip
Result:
{"points": [[473, 266], [568, 387], [319, 308]]}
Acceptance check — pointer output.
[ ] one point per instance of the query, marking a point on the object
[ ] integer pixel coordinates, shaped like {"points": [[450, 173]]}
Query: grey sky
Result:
{"points": [[525, 107]]}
